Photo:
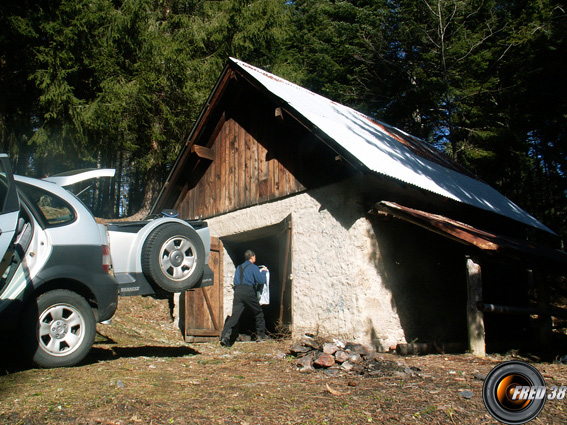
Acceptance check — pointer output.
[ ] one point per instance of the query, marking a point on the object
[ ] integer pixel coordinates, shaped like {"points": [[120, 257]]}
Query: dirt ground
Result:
{"points": [[140, 371]]}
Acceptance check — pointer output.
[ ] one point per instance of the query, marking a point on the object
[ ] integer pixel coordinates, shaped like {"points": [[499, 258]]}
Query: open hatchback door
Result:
{"points": [[156, 256], [77, 176]]}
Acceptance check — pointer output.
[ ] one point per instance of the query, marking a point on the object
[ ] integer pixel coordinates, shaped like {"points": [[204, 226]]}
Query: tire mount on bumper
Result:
{"points": [[132, 284]]}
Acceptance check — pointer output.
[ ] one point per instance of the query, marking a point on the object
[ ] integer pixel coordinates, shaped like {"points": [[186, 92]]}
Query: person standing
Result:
{"points": [[247, 279]]}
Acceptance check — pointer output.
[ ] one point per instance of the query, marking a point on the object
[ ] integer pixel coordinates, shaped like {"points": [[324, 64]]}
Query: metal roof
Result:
{"points": [[387, 150]]}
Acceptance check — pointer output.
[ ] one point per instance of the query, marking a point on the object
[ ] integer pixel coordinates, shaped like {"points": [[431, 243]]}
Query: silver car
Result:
{"points": [[61, 272], [157, 256]]}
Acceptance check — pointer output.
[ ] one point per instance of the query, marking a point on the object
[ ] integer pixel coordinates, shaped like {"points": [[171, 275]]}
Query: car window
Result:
{"points": [[4, 189], [54, 210], [3, 186]]}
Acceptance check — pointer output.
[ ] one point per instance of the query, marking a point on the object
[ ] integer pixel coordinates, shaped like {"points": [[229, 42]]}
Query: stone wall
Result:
{"points": [[338, 289]]}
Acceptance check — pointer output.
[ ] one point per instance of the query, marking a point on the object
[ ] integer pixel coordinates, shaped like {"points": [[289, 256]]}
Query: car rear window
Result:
{"points": [[54, 210]]}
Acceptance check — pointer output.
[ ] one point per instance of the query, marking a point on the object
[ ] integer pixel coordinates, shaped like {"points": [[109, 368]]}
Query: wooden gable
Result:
{"points": [[247, 151]]}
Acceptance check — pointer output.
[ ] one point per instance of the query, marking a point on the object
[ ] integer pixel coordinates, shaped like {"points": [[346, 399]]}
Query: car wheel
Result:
{"points": [[173, 257], [59, 329]]}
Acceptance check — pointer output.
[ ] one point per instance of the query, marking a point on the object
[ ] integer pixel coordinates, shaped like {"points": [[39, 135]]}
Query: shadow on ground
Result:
{"points": [[11, 361], [98, 354]]}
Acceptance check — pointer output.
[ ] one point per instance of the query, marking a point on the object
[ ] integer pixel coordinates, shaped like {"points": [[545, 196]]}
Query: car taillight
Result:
{"points": [[106, 264]]}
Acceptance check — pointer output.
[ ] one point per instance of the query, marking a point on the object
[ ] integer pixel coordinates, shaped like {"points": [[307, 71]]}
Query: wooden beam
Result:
{"points": [[212, 103], [532, 311], [286, 274], [211, 309], [203, 332], [216, 130], [444, 226], [475, 318], [203, 152]]}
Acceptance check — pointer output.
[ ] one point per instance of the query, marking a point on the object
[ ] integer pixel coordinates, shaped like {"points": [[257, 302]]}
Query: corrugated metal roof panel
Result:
{"points": [[388, 150]]}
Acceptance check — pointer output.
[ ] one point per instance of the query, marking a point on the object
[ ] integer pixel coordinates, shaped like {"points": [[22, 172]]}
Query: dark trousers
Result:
{"points": [[244, 296]]}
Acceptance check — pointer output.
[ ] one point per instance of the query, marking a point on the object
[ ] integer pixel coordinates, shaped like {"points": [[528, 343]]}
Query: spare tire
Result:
{"points": [[173, 257]]}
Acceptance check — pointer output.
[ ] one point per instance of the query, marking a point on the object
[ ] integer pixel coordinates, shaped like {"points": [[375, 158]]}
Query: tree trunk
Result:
{"points": [[152, 189], [118, 181]]}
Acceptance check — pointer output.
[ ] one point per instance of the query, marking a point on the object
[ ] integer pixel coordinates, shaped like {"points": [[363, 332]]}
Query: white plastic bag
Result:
{"points": [[265, 295]]}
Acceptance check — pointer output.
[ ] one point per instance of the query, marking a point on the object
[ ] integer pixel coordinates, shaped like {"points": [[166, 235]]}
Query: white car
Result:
{"points": [[61, 272], [157, 256], [160, 255]]}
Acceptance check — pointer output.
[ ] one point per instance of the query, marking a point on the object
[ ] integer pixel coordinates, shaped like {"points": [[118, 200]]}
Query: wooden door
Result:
{"points": [[204, 306]]}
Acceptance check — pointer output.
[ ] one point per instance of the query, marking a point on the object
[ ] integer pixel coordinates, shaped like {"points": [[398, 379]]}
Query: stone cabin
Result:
{"points": [[370, 234]]}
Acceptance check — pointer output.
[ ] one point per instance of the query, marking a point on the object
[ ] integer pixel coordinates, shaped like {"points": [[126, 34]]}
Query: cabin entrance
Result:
{"points": [[272, 246]]}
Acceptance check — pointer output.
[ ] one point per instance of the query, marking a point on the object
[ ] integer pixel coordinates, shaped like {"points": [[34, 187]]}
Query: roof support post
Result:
{"points": [[475, 318]]}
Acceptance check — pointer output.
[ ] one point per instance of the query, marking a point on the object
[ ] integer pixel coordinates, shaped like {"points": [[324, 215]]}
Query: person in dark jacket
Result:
{"points": [[247, 279]]}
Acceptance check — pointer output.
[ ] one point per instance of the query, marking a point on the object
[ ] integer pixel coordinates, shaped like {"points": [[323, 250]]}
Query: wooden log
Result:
{"points": [[506, 309], [475, 318]]}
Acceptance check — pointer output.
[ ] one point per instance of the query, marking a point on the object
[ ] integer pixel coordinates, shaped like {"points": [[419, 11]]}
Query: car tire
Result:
{"points": [[59, 329], [173, 257]]}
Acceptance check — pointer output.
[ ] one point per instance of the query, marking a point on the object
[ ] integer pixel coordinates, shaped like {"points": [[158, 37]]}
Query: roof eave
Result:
{"points": [[212, 100]]}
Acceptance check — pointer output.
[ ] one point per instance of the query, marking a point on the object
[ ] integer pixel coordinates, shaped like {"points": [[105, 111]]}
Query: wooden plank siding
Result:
{"points": [[246, 149], [241, 175], [252, 157]]}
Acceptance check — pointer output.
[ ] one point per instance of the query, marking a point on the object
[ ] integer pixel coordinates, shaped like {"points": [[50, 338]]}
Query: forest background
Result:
{"points": [[119, 83]]}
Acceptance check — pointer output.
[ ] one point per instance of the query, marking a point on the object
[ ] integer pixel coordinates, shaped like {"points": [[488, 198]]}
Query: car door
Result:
{"points": [[9, 205]]}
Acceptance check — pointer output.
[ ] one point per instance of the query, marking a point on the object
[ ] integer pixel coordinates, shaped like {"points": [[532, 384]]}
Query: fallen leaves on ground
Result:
{"points": [[141, 371]]}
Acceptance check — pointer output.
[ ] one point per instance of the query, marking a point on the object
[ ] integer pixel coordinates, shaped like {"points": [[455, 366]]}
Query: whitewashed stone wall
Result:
{"points": [[337, 289]]}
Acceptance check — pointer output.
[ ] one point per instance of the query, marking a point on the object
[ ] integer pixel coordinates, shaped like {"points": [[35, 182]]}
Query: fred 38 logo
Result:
{"points": [[515, 392]]}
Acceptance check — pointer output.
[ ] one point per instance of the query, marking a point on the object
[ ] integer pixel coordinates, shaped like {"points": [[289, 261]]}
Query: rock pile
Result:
{"points": [[337, 357]]}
